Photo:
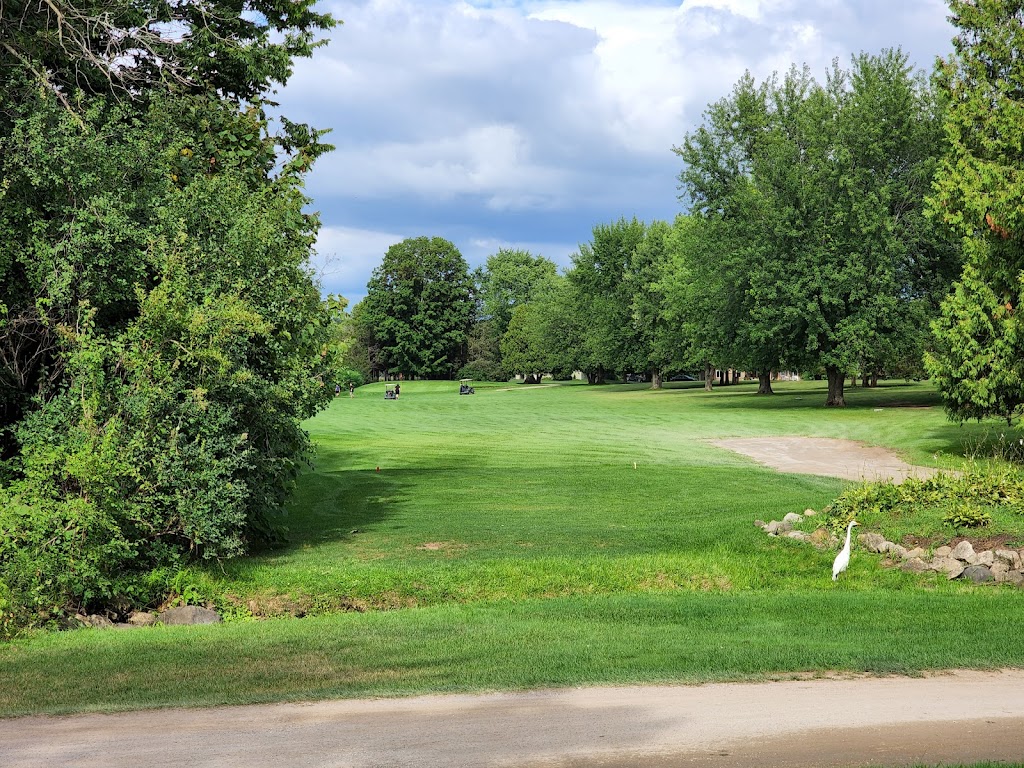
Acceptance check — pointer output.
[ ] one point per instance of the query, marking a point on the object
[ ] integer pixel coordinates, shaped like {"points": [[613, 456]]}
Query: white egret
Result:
{"points": [[843, 558]]}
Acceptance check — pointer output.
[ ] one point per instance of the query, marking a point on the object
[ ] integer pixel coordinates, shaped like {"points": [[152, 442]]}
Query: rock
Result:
{"points": [[999, 570], [772, 527], [1016, 578], [895, 550], [1010, 557], [141, 619], [798, 535], [189, 614], [809, 513], [872, 542], [915, 565], [823, 539], [947, 565], [986, 558], [95, 621], [792, 517], [978, 574], [943, 551], [760, 524], [916, 552], [965, 552], [955, 571]]}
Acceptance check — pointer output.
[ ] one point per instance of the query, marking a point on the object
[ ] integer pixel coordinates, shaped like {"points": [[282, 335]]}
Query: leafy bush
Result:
{"points": [[966, 516], [183, 339], [966, 496]]}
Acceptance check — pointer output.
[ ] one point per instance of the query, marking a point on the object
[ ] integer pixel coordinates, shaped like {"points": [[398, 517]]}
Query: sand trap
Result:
{"points": [[847, 459]]}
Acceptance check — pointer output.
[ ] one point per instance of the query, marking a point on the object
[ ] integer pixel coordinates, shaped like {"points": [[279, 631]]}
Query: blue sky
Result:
{"points": [[524, 124]]}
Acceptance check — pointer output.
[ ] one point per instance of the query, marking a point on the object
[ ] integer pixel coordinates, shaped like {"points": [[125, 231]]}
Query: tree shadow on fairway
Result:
{"points": [[885, 395], [339, 498], [986, 440]]}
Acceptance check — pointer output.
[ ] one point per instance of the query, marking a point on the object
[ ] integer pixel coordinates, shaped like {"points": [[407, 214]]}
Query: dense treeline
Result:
{"points": [[160, 334], [806, 248], [827, 223]]}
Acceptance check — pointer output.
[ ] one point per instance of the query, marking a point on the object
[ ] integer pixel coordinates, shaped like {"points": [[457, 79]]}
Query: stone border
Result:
{"points": [[182, 615], [999, 566]]}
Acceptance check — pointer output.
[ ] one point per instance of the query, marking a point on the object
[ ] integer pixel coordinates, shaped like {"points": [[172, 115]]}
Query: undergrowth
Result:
{"points": [[971, 499]]}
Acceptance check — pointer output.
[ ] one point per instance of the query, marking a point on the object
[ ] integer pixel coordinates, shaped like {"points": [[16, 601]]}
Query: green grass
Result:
{"points": [[546, 536]]}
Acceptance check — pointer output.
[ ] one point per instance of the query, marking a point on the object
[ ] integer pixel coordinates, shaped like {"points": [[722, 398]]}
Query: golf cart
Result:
{"points": [[464, 388]]}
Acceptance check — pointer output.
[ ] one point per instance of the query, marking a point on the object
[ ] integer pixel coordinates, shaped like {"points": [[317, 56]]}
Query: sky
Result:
{"points": [[523, 124]]}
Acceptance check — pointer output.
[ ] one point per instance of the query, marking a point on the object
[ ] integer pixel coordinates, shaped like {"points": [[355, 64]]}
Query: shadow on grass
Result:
{"points": [[334, 501], [885, 395]]}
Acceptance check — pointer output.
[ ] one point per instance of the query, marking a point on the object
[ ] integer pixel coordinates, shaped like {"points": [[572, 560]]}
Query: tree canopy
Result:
{"points": [[161, 335], [418, 308], [978, 359], [818, 190]]}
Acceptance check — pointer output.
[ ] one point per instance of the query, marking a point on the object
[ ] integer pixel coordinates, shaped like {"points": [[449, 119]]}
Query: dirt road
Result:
{"points": [[949, 717]]}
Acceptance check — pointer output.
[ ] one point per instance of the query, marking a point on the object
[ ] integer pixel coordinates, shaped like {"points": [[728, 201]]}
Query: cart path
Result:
{"points": [[945, 717], [831, 457]]}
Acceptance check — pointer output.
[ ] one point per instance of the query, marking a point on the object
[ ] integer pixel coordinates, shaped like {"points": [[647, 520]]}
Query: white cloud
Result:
{"points": [[466, 118], [491, 161], [345, 257]]}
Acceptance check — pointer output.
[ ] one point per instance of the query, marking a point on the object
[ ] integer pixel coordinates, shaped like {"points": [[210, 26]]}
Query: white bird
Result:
{"points": [[843, 558]]}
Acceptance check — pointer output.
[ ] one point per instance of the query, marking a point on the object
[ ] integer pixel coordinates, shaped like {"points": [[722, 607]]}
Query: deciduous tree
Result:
{"points": [[419, 308]]}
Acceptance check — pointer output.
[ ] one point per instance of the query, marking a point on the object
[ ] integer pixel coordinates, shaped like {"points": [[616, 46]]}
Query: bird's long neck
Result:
{"points": [[849, 530]]}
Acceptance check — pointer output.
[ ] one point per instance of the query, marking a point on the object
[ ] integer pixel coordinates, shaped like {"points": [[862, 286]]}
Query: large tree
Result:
{"points": [[509, 279], [604, 298], [819, 189], [161, 338], [658, 339], [979, 192], [419, 307]]}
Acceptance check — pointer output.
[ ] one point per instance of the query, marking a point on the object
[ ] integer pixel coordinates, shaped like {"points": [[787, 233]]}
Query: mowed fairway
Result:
{"points": [[546, 536]]}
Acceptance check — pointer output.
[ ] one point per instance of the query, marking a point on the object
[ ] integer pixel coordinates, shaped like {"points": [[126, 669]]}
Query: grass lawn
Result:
{"points": [[546, 536]]}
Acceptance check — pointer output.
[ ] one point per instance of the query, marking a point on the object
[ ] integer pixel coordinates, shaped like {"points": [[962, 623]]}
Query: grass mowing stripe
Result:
{"points": [[679, 638]]}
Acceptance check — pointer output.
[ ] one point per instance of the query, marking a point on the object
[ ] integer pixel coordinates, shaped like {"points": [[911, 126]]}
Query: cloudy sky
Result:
{"points": [[525, 123]]}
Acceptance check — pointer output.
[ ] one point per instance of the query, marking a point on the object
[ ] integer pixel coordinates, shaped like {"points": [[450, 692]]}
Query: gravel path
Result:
{"points": [[949, 717]]}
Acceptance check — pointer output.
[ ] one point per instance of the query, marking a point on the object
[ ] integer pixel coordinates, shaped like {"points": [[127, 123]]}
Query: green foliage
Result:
{"points": [[966, 516], [161, 338], [965, 499], [509, 279], [816, 196], [233, 49], [604, 299], [483, 354], [978, 357], [418, 309], [978, 193]]}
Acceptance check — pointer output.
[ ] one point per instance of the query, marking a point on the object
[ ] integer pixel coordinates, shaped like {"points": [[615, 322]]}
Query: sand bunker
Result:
{"points": [[847, 459]]}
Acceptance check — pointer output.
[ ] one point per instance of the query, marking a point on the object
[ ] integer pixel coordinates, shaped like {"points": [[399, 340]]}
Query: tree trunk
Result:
{"points": [[874, 380], [709, 377], [656, 379], [836, 380], [764, 382], [853, 380]]}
